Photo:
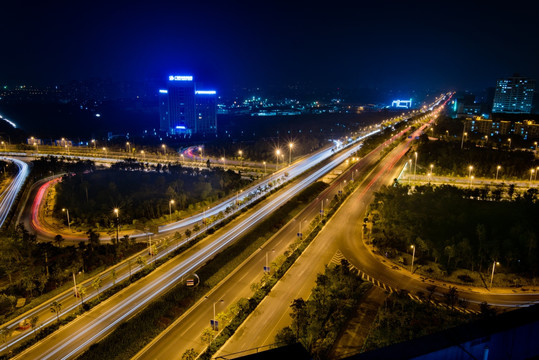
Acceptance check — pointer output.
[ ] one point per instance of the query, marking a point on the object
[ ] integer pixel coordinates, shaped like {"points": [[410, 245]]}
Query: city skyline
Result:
{"points": [[391, 45]]}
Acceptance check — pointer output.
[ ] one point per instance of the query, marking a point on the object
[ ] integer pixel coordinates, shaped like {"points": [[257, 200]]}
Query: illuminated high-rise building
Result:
{"points": [[206, 109], [514, 95], [184, 110]]}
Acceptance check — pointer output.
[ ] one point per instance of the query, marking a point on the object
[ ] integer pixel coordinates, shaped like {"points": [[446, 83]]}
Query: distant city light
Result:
{"points": [[406, 104], [205, 92], [181, 127], [180, 78], [163, 91], [97, 115]]}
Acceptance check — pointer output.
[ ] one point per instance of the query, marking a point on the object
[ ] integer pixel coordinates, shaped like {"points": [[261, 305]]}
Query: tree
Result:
{"points": [[56, 307], [285, 336], [81, 290], [207, 335], [141, 261], [452, 296], [190, 354], [298, 315], [33, 322], [196, 228], [58, 240], [96, 284], [188, 233]]}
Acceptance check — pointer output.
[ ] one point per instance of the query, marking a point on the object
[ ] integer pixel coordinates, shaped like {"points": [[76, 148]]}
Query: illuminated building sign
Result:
{"points": [[181, 127], [180, 78], [162, 91], [205, 92], [406, 104]]}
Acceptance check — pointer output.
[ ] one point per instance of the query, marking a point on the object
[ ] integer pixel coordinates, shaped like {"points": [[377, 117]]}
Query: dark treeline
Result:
{"points": [[466, 228], [448, 159], [51, 165], [141, 191], [33, 268]]}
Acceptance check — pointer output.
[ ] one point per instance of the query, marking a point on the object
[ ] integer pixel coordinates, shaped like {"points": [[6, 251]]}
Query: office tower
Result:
{"points": [[184, 110], [514, 95], [206, 108]]}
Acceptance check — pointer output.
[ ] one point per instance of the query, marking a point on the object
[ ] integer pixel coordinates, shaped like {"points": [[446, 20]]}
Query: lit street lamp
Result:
{"points": [[267, 267], [223, 160], [413, 257], [290, 146], [264, 168], [95, 144], [241, 157], [497, 170], [509, 143], [531, 175], [213, 322], [128, 147], [68, 223], [277, 154], [170, 203], [164, 150], [117, 212], [415, 164], [492, 275], [143, 155]]}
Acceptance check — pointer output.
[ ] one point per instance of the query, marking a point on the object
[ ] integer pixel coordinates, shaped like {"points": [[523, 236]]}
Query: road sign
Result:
{"points": [[266, 268], [300, 234], [214, 325]]}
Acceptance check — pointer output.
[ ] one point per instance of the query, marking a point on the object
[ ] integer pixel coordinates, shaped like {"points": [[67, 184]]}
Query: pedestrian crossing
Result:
{"points": [[338, 257]]}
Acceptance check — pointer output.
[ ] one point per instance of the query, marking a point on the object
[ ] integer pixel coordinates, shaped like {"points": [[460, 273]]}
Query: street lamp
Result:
{"points": [[431, 166], [170, 203], [290, 146], [409, 170], [95, 144], [241, 156], [497, 170], [223, 160], [415, 164], [267, 268], [128, 147], [470, 168], [68, 223], [164, 150], [413, 257], [264, 167], [509, 143], [105, 150], [531, 175], [4, 145], [117, 212], [201, 153], [535, 143], [277, 154], [143, 155], [464, 134], [471, 179], [213, 323], [492, 275]]}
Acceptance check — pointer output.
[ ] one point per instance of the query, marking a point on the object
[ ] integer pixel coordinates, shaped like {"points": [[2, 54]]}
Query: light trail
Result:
{"points": [[10, 194]]}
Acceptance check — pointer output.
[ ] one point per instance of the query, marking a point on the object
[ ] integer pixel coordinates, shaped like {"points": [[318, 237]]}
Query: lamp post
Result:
{"points": [[409, 170], [415, 165], [170, 203], [431, 167], [509, 140], [201, 153], [67, 214], [471, 179], [470, 168], [164, 147], [213, 322], [223, 160], [413, 257], [241, 156], [264, 167], [95, 144], [290, 146], [535, 143], [128, 144], [277, 154], [497, 171], [531, 175], [67, 149], [105, 150], [143, 155], [117, 212], [267, 268], [4, 145], [464, 134], [492, 275]]}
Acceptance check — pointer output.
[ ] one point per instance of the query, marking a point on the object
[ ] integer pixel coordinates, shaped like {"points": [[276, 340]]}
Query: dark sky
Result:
{"points": [[396, 44]]}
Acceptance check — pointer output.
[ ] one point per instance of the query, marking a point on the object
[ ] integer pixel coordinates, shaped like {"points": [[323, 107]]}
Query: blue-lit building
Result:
{"points": [[185, 110], [514, 95]]}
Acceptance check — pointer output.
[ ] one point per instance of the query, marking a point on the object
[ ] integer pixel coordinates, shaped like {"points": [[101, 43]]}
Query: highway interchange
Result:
{"points": [[344, 229]]}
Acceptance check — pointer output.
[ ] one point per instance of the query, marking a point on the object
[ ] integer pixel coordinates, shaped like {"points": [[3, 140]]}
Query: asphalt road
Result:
{"points": [[74, 338]]}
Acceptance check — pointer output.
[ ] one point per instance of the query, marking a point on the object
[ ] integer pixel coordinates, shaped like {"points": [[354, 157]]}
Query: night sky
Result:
{"points": [[391, 44]]}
